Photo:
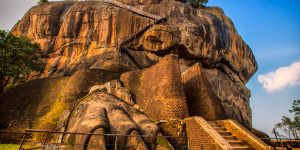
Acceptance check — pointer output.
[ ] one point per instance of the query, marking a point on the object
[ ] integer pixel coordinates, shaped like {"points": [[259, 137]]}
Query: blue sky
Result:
{"points": [[272, 30]]}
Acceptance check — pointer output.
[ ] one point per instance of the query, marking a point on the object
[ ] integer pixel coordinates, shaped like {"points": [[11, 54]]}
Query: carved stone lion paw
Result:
{"points": [[104, 112]]}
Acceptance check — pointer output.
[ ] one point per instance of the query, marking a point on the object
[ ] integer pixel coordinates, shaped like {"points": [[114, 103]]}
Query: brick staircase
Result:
{"points": [[231, 139]]}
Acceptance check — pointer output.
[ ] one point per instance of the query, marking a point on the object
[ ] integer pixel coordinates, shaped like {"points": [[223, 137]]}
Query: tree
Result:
{"points": [[296, 108], [291, 127], [287, 126], [18, 56], [197, 3]]}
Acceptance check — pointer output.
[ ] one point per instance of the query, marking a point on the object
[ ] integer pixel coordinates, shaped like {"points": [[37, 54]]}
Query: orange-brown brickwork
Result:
{"points": [[158, 89], [201, 100], [198, 138]]}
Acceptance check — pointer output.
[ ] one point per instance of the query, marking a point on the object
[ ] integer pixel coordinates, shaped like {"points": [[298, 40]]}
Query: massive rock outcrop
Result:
{"points": [[93, 42], [72, 33]]}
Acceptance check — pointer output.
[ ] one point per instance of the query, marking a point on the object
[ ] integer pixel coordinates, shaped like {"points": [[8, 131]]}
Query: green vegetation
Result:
{"points": [[162, 142], [18, 57], [51, 119], [296, 108], [197, 3], [291, 127], [9, 147], [42, 1]]}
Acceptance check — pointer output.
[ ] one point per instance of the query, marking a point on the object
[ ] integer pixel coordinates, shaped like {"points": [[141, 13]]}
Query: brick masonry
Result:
{"points": [[199, 138], [201, 100], [158, 89]]}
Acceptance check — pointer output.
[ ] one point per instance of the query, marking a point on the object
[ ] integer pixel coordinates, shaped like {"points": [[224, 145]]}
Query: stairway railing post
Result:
{"points": [[22, 142], [116, 143], [45, 139]]}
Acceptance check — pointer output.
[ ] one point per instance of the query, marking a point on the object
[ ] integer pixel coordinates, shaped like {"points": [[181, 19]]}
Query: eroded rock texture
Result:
{"points": [[80, 35], [38, 104], [87, 35], [74, 32]]}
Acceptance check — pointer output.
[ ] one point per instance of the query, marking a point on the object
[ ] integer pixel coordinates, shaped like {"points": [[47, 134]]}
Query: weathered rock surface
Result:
{"points": [[74, 33], [234, 96], [77, 35], [39, 103]]}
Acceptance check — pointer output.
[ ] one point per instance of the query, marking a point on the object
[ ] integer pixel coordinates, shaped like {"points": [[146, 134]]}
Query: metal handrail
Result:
{"points": [[45, 141], [81, 133], [283, 142]]}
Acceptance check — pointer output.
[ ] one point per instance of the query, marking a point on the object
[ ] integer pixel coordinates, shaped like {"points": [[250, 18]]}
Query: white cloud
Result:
{"points": [[281, 77]]}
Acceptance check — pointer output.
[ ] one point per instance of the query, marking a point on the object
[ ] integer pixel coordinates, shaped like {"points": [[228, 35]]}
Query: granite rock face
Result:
{"points": [[75, 34], [38, 104], [80, 35], [88, 35], [234, 96]]}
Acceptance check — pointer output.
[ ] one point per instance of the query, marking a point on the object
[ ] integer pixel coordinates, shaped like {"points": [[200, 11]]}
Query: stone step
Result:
{"points": [[228, 138], [232, 140], [225, 133], [214, 125], [242, 148], [237, 143], [211, 121], [220, 128]]}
